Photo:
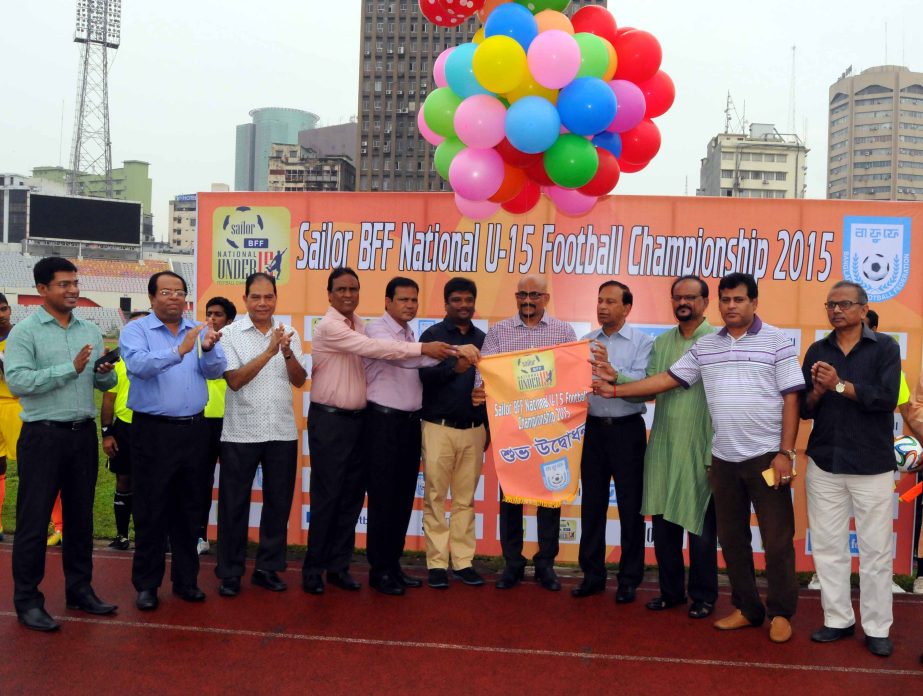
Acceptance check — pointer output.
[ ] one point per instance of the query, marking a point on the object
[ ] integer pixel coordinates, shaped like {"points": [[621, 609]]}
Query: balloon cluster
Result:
{"points": [[539, 103]]}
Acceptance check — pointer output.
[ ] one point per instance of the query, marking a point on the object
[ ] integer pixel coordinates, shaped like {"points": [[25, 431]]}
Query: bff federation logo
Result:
{"points": [[534, 371], [876, 254], [248, 240], [556, 474]]}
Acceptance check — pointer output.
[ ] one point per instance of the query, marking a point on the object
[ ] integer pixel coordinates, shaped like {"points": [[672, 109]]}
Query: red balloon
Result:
{"points": [[640, 144], [606, 177], [435, 13], [513, 181], [659, 93], [536, 172], [525, 200], [515, 157], [594, 19], [457, 10], [631, 167], [639, 55]]}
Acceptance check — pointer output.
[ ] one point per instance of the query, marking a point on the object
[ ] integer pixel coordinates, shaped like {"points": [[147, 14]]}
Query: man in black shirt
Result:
{"points": [[454, 437], [852, 377]]}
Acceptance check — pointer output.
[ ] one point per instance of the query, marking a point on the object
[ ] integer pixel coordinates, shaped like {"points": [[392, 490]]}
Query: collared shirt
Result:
{"points": [[629, 353], [39, 368], [447, 393], [261, 410], [120, 408], [5, 392], [394, 383], [337, 377], [855, 437], [745, 379], [164, 383]]}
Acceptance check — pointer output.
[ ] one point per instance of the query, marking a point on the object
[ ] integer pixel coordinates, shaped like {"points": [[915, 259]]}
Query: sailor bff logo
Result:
{"points": [[247, 240], [876, 254], [534, 371]]}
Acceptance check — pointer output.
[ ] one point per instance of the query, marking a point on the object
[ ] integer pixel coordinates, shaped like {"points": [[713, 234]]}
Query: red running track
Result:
{"points": [[466, 640]]}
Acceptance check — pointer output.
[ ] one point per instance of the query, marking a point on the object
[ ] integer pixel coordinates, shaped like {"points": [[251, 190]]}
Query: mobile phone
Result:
{"points": [[769, 476], [110, 357]]}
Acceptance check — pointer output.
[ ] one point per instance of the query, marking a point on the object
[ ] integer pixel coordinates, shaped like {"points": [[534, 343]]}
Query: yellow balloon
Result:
{"points": [[530, 88], [613, 61], [478, 36], [550, 19], [499, 64]]}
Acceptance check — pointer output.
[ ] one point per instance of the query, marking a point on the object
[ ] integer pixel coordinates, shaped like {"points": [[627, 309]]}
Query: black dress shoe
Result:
{"points": [[269, 580], [386, 584], [189, 593], [313, 584], [147, 600], [88, 601], [469, 576], [828, 635], [510, 578], [587, 588], [343, 580], [625, 595], [701, 610], [37, 619], [547, 578], [438, 578], [229, 587], [661, 603], [406, 580], [879, 646]]}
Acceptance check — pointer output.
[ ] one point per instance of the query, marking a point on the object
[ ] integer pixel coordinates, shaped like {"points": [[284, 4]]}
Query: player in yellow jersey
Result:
{"points": [[10, 422]]}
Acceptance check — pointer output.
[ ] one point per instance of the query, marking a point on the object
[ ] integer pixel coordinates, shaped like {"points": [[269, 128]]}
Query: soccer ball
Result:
{"points": [[875, 267], [908, 454]]}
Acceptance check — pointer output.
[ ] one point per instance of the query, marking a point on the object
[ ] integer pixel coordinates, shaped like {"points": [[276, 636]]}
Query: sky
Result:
{"points": [[188, 72]]}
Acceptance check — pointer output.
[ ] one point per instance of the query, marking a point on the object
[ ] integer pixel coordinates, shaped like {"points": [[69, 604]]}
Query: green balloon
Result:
{"points": [[445, 153], [572, 161], [439, 111], [536, 6], [594, 57]]}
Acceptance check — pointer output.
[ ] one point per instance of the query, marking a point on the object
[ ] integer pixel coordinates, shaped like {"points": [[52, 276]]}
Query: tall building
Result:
{"points": [[183, 218], [254, 143], [296, 168], [761, 164], [875, 138], [396, 55]]}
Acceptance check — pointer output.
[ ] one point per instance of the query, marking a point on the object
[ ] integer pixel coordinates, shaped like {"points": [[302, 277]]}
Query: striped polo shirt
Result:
{"points": [[745, 379]]}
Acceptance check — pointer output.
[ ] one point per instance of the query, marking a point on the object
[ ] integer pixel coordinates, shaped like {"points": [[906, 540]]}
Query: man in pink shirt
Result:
{"points": [[335, 425]]}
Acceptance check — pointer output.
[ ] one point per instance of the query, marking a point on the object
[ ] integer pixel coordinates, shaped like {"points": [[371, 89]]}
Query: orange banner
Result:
{"points": [[537, 406]]}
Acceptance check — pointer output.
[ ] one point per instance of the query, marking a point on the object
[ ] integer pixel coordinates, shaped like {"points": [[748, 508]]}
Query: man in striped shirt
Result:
{"points": [[752, 378]]}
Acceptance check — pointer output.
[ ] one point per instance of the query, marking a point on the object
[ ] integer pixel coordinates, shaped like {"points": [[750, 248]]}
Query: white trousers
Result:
{"points": [[831, 498]]}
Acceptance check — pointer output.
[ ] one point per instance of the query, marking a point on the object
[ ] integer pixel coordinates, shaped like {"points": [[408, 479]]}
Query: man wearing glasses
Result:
{"points": [[168, 359], [852, 378]]}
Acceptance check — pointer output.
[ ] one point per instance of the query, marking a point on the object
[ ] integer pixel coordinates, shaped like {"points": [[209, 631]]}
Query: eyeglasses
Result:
{"points": [[172, 293], [530, 295], [66, 284], [842, 304], [687, 298]]}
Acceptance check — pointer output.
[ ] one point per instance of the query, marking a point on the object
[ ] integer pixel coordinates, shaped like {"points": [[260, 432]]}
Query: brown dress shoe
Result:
{"points": [[780, 630], [732, 621]]}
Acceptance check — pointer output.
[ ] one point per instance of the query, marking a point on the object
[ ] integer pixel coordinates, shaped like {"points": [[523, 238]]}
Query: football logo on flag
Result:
{"points": [[556, 475], [876, 254]]}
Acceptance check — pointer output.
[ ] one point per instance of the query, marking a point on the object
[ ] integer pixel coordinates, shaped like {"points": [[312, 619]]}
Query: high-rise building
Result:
{"points": [[397, 50], [254, 143], [761, 164], [182, 216], [875, 137], [297, 168]]}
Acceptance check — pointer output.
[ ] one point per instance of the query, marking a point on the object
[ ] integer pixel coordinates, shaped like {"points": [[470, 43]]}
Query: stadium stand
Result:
{"points": [[107, 319], [117, 276], [187, 270]]}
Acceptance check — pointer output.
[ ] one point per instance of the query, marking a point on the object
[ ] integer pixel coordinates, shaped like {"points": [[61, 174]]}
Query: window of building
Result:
{"points": [[873, 152], [727, 173], [872, 139], [875, 164], [839, 121], [874, 100], [837, 134], [909, 164], [878, 114], [873, 89], [838, 109], [907, 113]]}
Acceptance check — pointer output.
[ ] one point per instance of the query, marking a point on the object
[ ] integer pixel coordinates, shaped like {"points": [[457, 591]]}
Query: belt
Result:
{"points": [[612, 420], [458, 425], [65, 425], [173, 419], [388, 411], [337, 411]]}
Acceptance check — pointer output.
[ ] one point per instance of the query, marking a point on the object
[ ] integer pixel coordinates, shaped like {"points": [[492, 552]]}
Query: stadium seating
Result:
{"points": [[117, 276], [107, 319]]}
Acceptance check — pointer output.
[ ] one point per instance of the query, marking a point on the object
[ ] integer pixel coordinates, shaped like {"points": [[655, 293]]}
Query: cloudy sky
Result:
{"points": [[188, 72]]}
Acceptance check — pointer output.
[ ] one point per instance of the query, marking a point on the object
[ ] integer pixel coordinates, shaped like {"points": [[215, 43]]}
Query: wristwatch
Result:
{"points": [[840, 387], [791, 454], [104, 429]]}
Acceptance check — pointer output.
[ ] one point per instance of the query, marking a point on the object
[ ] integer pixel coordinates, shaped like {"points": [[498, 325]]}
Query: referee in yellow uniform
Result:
{"points": [[10, 422]]}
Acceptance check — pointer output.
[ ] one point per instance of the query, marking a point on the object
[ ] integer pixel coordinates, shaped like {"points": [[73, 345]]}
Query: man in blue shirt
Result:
{"points": [[168, 358], [49, 366]]}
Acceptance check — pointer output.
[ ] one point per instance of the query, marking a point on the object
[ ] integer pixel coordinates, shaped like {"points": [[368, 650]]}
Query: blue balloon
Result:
{"points": [[532, 124], [458, 72], [609, 141], [514, 21], [586, 106]]}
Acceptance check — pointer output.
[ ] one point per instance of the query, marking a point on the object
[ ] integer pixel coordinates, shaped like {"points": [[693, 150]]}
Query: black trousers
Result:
{"points": [[337, 488], [208, 475], [167, 464], [511, 534], [392, 463], [53, 459], [613, 449], [238, 467], [703, 559]]}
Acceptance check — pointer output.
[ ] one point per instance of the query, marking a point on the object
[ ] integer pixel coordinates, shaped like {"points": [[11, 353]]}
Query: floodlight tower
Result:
{"points": [[99, 28]]}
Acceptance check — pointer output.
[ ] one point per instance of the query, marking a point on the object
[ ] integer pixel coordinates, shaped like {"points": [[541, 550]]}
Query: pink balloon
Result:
{"points": [[630, 106], [480, 121], [570, 201], [476, 174], [439, 68], [429, 135], [476, 210], [554, 58]]}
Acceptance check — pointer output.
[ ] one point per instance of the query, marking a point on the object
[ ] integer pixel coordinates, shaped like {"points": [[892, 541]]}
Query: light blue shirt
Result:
{"points": [[163, 383], [629, 352]]}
